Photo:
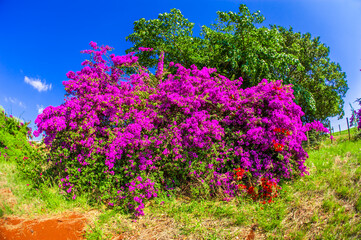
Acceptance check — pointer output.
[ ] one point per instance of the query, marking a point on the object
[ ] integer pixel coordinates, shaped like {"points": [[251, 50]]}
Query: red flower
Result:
{"points": [[283, 130], [240, 172], [251, 190], [277, 88], [277, 130], [278, 146]]}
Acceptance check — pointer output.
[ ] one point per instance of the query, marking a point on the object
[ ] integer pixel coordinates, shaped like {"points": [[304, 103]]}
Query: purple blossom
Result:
{"points": [[145, 49]]}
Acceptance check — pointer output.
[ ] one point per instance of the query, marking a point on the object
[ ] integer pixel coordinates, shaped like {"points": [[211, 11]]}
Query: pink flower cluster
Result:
{"points": [[129, 140], [145, 49]]}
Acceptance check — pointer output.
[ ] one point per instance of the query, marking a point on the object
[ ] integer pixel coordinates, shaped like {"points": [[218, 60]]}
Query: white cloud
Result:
{"points": [[21, 104], [14, 101], [9, 100], [40, 108], [37, 84]]}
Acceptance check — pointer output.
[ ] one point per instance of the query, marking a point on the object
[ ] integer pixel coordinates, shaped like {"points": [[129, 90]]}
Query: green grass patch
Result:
{"points": [[325, 204]]}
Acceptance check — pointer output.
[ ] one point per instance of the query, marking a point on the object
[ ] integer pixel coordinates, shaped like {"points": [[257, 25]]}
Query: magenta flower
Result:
{"points": [[93, 45], [145, 49]]}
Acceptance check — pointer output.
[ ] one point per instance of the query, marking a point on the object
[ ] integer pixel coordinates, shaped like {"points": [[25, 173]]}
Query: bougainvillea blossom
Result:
{"points": [[129, 136]]}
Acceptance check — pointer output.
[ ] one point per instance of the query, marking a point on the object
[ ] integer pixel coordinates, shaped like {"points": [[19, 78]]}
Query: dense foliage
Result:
{"points": [[15, 146], [237, 48], [125, 142]]}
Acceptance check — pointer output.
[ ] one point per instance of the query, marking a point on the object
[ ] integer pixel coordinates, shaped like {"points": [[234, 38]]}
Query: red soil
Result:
{"points": [[56, 228]]}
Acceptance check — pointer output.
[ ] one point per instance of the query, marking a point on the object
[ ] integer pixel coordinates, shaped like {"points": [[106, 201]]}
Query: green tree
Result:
{"points": [[319, 84], [237, 48]]}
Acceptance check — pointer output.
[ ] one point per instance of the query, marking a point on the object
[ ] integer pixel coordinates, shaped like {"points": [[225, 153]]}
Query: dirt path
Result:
{"points": [[68, 226], [55, 228]]}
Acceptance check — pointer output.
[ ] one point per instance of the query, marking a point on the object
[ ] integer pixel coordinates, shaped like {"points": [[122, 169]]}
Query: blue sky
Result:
{"points": [[40, 41]]}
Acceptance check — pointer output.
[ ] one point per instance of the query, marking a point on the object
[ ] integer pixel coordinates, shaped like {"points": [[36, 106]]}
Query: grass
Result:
{"points": [[326, 204]]}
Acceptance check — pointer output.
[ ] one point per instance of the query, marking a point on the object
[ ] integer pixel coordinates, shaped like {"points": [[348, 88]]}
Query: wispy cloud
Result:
{"points": [[37, 84], [14, 101], [40, 108]]}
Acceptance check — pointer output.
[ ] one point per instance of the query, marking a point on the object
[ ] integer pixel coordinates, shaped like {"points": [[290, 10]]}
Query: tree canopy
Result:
{"points": [[237, 48]]}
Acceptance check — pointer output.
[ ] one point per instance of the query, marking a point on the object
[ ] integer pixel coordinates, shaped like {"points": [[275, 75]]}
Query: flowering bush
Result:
{"points": [[316, 125], [316, 130], [124, 144]]}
